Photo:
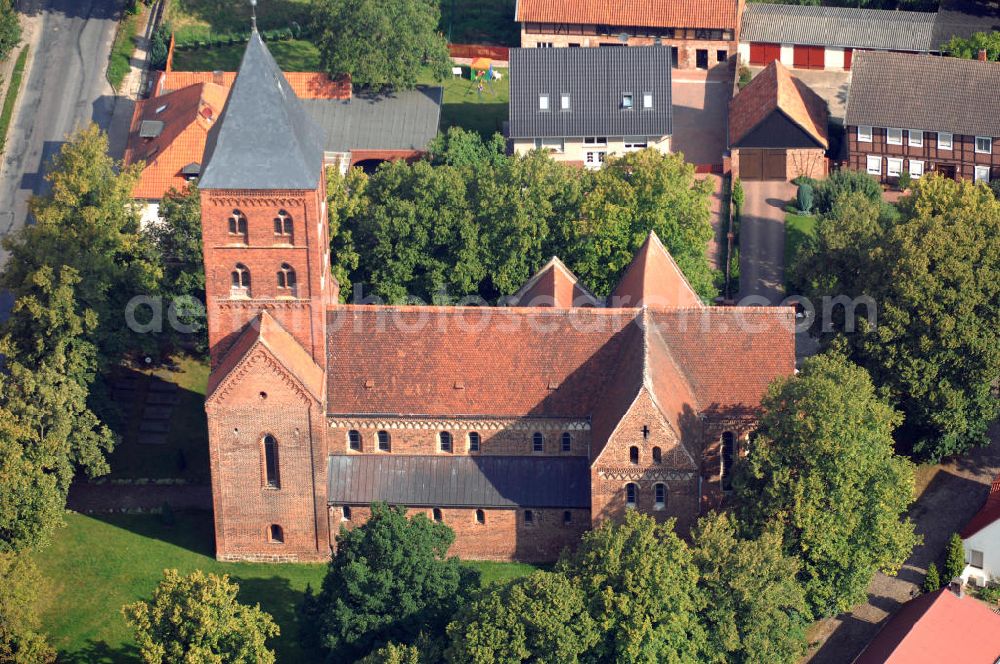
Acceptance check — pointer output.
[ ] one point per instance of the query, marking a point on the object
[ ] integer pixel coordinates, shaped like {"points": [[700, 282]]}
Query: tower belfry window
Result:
{"points": [[283, 226], [286, 277], [240, 281], [238, 226]]}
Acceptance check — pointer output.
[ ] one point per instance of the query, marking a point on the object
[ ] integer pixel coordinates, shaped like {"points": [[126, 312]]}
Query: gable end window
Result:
{"points": [[633, 455], [660, 497], [894, 136], [916, 138], [271, 478], [865, 134], [944, 140], [984, 145], [631, 495]]}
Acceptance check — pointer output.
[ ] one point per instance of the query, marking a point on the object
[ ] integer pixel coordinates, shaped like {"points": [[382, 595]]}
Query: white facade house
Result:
{"points": [[981, 540]]}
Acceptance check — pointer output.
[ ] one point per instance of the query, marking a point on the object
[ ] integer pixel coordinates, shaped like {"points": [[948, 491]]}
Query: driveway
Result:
{"points": [[762, 240], [701, 108], [956, 492]]}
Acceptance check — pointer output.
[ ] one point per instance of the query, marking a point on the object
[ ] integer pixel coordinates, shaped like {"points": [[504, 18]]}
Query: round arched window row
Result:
{"points": [[444, 441], [566, 442], [727, 456], [238, 226], [659, 496], [633, 455], [384, 442], [240, 278], [286, 277], [631, 495], [480, 517], [283, 226], [474, 441], [537, 442], [354, 440]]}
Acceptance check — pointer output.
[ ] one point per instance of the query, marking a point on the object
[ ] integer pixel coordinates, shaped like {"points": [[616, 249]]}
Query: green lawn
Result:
{"points": [[96, 565], [11, 97], [120, 60], [465, 107], [291, 55], [798, 229], [480, 22], [199, 19]]}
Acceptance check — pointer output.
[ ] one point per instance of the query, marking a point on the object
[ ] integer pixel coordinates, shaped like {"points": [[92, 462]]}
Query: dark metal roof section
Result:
{"points": [[925, 92], [405, 120], [194, 168], [459, 481], [263, 139], [150, 128], [844, 27], [595, 79]]}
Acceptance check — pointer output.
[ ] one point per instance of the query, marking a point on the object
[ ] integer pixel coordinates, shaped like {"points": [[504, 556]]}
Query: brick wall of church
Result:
{"points": [[713, 496], [613, 469], [504, 536]]}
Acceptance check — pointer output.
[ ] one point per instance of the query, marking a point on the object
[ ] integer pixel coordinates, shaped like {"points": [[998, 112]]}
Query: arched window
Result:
{"points": [[354, 440], [271, 478], [660, 496], [444, 441], [657, 455], [474, 441], [633, 455], [384, 444], [567, 442], [631, 494], [241, 280], [567, 517], [727, 456], [286, 277], [283, 226], [436, 514], [275, 534], [345, 513], [529, 517], [238, 226], [537, 442], [480, 517]]}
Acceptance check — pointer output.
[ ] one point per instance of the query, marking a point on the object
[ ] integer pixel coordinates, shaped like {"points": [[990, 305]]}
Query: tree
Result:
{"points": [[641, 585], [538, 618], [389, 580], [10, 28], [804, 198], [954, 563], [89, 222], [969, 48], [196, 618], [932, 580], [755, 607], [459, 147], [933, 271], [823, 470], [393, 653], [380, 43], [632, 195], [840, 183], [20, 639], [347, 200]]}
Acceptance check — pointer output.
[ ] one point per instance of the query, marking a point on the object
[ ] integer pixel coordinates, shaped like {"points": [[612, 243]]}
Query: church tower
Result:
{"points": [[268, 286]]}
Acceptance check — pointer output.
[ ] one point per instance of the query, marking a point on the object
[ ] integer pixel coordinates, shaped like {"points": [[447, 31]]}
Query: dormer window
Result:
{"points": [[564, 102], [647, 101], [161, 109], [627, 101], [543, 102]]}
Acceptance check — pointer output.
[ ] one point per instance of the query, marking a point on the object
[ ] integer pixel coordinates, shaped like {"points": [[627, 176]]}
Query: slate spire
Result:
{"points": [[264, 138]]}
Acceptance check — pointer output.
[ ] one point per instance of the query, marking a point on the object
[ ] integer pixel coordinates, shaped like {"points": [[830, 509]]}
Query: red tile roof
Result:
{"points": [[989, 513], [654, 278], [187, 115], [554, 285], [935, 628], [718, 14], [306, 84], [775, 89]]}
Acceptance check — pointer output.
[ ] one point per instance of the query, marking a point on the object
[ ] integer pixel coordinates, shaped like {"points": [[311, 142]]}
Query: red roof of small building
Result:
{"points": [[306, 84], [935, 628], [717, 14], [989, 513], [654, 278], [555, 286], [775, 89]]}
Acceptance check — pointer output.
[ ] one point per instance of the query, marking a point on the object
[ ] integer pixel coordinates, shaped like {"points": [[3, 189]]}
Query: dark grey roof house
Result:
{"points": [[579, 92]]}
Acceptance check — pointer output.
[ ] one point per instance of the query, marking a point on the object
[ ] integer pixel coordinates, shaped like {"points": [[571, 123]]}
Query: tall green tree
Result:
{"points": [[347, 201], [755, 607], [392, 653], [461, 147], [21, 641], [196, 618], [934, 274], [88, 221], [389, 580], [822, 468], [380, 43], [641, 585], [542, 617], [954, 563], [10, 28]]}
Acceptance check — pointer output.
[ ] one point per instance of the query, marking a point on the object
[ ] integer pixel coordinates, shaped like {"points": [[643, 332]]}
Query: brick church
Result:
{"points": [[520, 427]]}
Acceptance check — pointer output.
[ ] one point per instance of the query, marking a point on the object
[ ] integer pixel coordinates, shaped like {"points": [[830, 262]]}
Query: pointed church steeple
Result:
{"points": [[264, 138]]}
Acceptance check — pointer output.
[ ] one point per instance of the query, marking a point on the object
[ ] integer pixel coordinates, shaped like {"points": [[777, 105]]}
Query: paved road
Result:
{"points": [[66, 88], [762, 240]]}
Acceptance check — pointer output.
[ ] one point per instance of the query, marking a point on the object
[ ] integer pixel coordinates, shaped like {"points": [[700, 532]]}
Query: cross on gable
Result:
{"points": [[645, 431]]}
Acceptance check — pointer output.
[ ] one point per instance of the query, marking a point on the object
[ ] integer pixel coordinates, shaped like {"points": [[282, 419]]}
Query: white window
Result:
{"points": [[595, 141], [543, 45], [916, 138], [647, 101], [635, 143], [543, 102], [627, 102], [916, 169], [984, 144], [944, 140], [865, 134], [874, 165], [976, 558], [982, 174], [893, 167], [564, 102], [550, 144], [594, 160], [894, 136]]}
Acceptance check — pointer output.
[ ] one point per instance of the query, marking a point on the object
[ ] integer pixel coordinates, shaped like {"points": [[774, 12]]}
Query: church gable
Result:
{"points": [[259, 377], [656, 441]]}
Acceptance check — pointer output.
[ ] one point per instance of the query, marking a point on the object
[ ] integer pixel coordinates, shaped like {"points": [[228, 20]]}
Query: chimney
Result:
{"points": [[217, 77], [981, 56], [957, 587]]}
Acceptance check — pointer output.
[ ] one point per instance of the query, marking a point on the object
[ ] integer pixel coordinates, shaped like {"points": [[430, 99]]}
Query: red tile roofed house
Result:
{"points": [[778, 128], [981, 541], [699, 33], [520, 427], [935, 628]]}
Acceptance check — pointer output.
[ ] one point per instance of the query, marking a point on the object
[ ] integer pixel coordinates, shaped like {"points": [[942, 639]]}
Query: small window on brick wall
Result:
{"points": [[354, 440], [275, 534], [436, 514], [238, 226], [283, 227], [529, 517], [384, 442], [345, 513], [271, 477], [537, 442], [660, 496], [567, 442], [631, 495], [567, 517], [474, 441], [633, 455], [444, 441], [657, 455], [286, 278], [480, 517]]}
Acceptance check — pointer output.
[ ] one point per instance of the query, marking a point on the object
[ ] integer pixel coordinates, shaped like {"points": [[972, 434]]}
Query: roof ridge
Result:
{"points": [[673, 360]]}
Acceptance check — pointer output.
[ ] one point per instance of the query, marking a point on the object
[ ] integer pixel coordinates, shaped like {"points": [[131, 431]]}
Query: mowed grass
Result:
{"points": [[799, 229], [465, 107], [480, 22], [98, 564], [291, 55], [200, 19]]}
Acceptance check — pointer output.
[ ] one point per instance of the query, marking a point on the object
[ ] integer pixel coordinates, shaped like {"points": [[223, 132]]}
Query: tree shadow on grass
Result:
{"points": [[484, 118], [99, 652], [193, 530], [276, 596]]}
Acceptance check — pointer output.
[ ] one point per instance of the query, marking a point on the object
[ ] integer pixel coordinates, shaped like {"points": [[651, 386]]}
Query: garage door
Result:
{"points": [[763, 54], [761, 164], [808, 57]]}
